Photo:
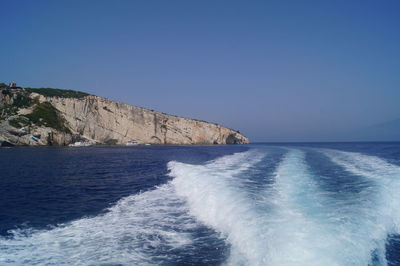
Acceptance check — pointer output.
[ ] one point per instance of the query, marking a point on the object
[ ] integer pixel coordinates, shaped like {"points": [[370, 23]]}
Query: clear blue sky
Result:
{"points": [[275, 70]]}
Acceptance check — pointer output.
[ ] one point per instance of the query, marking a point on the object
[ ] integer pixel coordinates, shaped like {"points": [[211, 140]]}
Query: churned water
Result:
{"points": [[261, 204]]}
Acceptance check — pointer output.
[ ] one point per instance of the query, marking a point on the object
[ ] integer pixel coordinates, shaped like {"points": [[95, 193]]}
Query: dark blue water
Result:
{"points": [[260, 204]]}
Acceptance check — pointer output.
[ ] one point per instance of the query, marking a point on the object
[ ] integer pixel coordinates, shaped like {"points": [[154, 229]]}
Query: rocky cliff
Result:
{"points": [[60, 117]]}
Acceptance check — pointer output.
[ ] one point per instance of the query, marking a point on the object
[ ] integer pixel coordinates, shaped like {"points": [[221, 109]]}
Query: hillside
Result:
{"points": [[48, 116]]}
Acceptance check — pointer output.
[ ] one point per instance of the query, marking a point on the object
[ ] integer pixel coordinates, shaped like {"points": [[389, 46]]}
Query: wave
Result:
{"points": [[296, 222], [293, 220], [281, 228], [149, 228], [143, 229], [386, 179], [298, 231], [214, 198], [377, 214]]}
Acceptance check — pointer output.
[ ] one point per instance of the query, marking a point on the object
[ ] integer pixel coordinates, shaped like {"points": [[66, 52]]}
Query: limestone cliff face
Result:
{"points": [[115, 123], [102, 121], [7, 98]]}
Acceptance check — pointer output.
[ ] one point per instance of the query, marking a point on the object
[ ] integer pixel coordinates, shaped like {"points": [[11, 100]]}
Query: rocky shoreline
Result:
{"points": [[38, 117]]}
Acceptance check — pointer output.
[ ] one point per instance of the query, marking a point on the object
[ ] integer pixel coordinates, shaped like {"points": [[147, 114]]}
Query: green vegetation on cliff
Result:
{"points": [[44, 114], [22, 101], [50, 92], [19, 100], [19, 122], [7, 110]]}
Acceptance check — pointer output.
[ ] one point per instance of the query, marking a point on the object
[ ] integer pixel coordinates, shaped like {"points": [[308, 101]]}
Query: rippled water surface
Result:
{"points": [[259, 204]]}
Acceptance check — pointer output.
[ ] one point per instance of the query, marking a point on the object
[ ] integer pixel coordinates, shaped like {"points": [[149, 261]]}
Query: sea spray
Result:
{"points": [[150, 228], [299, 225], [292, 217], [378, 214], [283, 235], [214, 199], [298, 229]]}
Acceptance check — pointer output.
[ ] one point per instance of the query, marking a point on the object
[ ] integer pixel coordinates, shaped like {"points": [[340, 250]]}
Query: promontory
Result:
{"points": [[46, 116]]}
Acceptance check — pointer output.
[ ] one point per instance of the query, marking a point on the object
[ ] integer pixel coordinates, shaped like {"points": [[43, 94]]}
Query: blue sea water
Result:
{"points": [[258, 204]]}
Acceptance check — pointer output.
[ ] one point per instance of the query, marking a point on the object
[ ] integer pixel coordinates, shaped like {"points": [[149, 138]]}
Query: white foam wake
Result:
{"points": [[308, 226], [295, 223], [380, 212], [135, 231], [295, 230], [215, 199]]}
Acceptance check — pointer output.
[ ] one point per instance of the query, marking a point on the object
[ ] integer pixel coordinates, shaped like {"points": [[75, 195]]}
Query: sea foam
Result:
{"points": [[378, 214], [215, 199], [296, 222], [143, 229]]}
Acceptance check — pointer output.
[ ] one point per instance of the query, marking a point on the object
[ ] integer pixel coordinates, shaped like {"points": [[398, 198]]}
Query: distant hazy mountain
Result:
{"points": [[387, 131]]}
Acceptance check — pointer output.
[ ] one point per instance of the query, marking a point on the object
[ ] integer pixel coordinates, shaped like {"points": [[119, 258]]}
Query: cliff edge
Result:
{"points": [[60, 117]]}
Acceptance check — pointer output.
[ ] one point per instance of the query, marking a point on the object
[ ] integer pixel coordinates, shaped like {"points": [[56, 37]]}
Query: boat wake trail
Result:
{"points": [[144, 229], [377, 212], [207, 209], [295, 222], [288, 226], [215, 199]]}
